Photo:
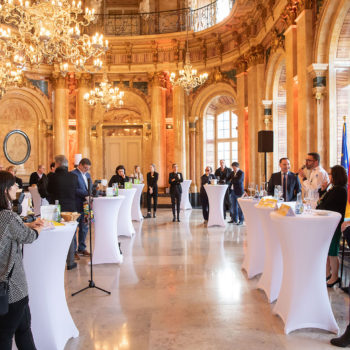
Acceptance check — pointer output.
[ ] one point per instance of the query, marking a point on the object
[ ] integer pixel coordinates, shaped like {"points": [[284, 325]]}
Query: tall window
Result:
{"points": [[221, 138]]}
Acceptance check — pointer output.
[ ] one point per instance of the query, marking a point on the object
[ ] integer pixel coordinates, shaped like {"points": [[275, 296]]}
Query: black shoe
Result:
{"points": [[330, 285], [154, 215], [148, 215], [178, 219], [174, 219], [231, 221], [239, 223], [71, 267], [328, 277], [344, 340], [120, 248]]}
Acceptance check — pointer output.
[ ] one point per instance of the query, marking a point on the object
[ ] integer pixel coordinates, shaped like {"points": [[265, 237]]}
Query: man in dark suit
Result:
{"points": [[80, 195], [236, 191], [37, 175], [289, 181], [12, 169], [175, 179], [223, 175], [62, 187]]}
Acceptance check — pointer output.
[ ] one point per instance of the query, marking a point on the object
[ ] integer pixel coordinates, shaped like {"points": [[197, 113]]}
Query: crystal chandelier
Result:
{"points": [[10, 76], [188, 77], [105, 95], [48, 32]]}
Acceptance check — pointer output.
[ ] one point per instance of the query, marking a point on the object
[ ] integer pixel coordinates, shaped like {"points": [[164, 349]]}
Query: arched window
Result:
{"points": [[221, 138], [280, 114]]}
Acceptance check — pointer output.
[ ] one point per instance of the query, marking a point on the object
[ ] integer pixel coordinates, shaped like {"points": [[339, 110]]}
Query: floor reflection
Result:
{"points": [[181, 287]]}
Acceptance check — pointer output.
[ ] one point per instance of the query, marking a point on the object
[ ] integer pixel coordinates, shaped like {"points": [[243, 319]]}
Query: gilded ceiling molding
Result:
{"points": [[256, 55], [83, 79], [241, 65], [58, 82]]}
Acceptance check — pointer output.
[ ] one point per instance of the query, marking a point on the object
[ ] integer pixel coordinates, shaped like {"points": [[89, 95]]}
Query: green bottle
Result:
{"points": [[58, 211]]}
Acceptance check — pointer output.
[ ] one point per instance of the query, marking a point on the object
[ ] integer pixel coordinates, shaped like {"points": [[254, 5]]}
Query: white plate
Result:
{"points": [[321, 213]]}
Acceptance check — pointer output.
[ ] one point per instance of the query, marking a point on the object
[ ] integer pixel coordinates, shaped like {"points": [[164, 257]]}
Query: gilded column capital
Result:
{"points": [[318, 73], [319, 92], [84, 80], [58, 81], [267, 112], [277, 40], [255, 56], [155, 78], [241, 65]]}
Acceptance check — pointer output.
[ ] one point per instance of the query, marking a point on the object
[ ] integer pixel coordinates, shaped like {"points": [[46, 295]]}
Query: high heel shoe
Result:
{"points": [[344, 340], [330, 285], [328, 277]]}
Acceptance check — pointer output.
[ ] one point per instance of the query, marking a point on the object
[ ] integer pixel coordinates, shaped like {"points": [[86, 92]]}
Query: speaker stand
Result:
{"points": [[265, 162]]}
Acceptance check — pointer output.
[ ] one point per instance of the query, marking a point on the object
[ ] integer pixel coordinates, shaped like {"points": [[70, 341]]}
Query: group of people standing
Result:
{"points": [[234, 178]]}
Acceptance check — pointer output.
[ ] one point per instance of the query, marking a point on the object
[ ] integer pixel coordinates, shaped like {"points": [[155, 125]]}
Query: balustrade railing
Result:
{"points": [[162, 22]]}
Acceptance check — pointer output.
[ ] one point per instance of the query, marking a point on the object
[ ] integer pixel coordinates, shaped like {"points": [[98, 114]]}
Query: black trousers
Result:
{"points": [[175, 201], [149, 200], [17, 323], [205, 205]]}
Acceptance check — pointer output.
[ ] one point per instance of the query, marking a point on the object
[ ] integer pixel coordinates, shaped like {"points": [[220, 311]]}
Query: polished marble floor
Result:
{"points": [[181, 287]]}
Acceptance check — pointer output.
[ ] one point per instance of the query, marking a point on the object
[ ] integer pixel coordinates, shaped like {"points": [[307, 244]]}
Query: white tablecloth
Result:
{"points": [[303, 301], [271, 278], [106, 213], [254, 255], [125, 226], [216, 195], [185, 201], [44, 263], [136, 213]]}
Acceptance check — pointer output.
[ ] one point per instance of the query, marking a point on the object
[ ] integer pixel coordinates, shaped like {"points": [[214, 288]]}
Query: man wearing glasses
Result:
{"points": [[317, 176]]}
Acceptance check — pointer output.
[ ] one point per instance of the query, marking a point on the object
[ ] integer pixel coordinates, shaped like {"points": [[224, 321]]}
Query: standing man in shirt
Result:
{"points": [[175, 179], [80, 194], [223, 174], [236, 191], [289, 181], [37, 175], [318, 175]]}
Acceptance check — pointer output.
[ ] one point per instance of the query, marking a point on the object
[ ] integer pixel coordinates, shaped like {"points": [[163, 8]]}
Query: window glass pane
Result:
{"points": [[234, 124], [210, 127], [234, 151], [210, 155], [223, 122], [224, 152]]}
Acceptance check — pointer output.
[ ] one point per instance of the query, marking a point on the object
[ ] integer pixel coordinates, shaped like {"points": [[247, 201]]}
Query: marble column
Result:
{"points": [[243, 157], [292, 96], [60, 117], [192, 158], [83, 115], [179, 129], [255, 121], [268, 120], [306, 120], [156, 122], [318, 73]]}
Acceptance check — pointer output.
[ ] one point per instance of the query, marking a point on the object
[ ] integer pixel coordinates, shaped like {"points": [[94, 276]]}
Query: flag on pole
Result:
{"points": [[345, 164], [344, 149]]}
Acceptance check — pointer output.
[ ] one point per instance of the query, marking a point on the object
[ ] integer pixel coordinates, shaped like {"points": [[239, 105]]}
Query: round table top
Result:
{"points": [[315, 215], [108, 198]]}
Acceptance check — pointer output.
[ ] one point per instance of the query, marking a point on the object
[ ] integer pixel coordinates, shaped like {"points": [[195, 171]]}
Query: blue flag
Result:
{"points": [[344, 150]]}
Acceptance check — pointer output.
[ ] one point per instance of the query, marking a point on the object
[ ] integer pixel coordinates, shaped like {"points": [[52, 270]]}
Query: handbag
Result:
{"points": [[4, 294]]}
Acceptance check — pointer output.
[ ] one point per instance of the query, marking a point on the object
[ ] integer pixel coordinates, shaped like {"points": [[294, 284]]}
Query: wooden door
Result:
{"points": [[125, 150]]}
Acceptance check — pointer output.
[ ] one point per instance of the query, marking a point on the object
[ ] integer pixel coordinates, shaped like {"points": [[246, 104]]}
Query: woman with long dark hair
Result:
{"points": [[13, 233], [335, 200]]}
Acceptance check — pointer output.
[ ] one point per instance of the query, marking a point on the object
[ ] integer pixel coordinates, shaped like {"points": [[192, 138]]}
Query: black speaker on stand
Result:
{"points": [[265, 145]]}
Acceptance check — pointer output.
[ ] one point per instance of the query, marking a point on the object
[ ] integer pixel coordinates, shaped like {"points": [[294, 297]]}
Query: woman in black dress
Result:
{"points": [[120, 178], [152, 191], [205, 179], [335, 200]]}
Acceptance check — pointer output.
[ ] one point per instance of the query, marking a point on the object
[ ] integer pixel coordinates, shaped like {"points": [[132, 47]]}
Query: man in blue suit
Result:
{"points": [[236, 191], [80, 197], [289, 181]]}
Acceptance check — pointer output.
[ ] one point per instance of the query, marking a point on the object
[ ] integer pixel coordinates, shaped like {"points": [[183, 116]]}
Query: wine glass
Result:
{"points": [[250, 188]]}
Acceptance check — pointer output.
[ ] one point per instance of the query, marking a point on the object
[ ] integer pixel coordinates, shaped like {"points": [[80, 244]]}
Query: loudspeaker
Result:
{"points": [[265, 141]]}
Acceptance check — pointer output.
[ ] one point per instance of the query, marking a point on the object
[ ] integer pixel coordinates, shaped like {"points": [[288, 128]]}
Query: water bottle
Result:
{"points": [[58, 211], [299, 206], [275, 193], [256, 195]]}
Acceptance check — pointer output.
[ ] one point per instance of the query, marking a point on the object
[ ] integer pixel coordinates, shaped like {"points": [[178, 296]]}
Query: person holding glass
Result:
{"points": [[137, 175], [289, 182], [13, 232], [175, 179], [205, 179], [152, 191], [334, 199], [119, 178]]}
